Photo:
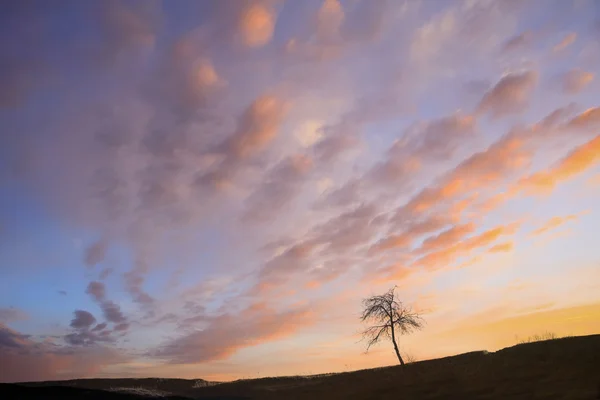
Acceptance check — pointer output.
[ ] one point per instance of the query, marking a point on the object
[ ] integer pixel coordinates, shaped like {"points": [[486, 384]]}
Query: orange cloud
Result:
{"points": [[447, 238], [312, 285], [502, 248], [553, 223], [576, 80], [576, 162], [507, 155], [449, 255], [587, 120], [257, 24], [489, 236], [258, 126], [222, 337], [568, 40], [329, 20]]}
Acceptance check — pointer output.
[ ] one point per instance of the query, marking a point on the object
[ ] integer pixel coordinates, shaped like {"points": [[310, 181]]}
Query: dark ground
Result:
{"points": [[557, 369]]}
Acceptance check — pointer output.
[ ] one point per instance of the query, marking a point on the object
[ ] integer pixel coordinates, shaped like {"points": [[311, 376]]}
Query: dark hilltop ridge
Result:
{"points": [[567, 368]]}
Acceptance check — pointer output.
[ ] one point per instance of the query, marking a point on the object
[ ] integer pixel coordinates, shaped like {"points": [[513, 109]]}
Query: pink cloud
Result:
{"points": [[37, 361], [282, 182], [222, 337], [12, 314], [510, 95], [95, 253]]}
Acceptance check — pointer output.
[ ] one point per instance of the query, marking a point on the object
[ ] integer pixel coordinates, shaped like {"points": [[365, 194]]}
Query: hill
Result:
{"points": [[567, 368]]}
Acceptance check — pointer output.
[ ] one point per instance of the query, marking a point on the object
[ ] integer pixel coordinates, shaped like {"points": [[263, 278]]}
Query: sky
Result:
{"points": [[208, 189]]}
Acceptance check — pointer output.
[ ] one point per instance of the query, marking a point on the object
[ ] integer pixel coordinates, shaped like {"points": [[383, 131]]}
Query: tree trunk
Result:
{"points": [[396, 346], [398, 352]]}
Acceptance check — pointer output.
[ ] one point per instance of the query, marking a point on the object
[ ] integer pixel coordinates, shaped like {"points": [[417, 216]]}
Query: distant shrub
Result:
{"points": [[539, 337], [140, 391], [409, 357], [198, 383]]}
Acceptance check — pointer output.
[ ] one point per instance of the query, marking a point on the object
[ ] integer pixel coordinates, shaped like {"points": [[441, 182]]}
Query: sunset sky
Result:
{"points": [[208, 189]]}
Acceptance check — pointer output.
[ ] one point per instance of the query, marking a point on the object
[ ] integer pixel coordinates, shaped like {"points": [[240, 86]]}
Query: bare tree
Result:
{"points": [[388, 316]]}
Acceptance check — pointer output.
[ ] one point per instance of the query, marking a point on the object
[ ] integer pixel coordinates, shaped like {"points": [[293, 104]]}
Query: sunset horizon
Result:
{"points": [[210, 189]]}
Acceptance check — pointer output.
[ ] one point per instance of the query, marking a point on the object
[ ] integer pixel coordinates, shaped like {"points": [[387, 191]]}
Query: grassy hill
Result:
{"points": [[566, 368]]}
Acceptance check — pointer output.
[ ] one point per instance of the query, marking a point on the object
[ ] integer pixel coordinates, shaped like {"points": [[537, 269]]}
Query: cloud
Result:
{"points": [[482, 169], [464, 248], [127, 26], [423, 143], [222, 337], [448, 237], [256, 128], [110, 310], [281, 184], [88, 338], [586, 121], [502, 247], [411, 232], [575, 80], [100, 327], [24, 65], [257, 23], [510, 95], [82, 320], [565, 42], [518, 42], [553, 223], [336, 142], [39, 361], [172, 139], [10, 338], [576, 162], [97, 290], [118, 28], [293, 259], [12, 314], [95, 253], [347, 231], [134, 281], [188, 80], [329, 20]]}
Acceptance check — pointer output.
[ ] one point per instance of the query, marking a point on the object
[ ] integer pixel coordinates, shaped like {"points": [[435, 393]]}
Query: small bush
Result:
{"points": [[539, 337], [140, 391], [409, 358]]}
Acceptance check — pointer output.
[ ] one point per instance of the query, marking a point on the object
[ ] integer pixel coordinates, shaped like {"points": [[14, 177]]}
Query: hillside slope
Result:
{"points": [[566, 368]]}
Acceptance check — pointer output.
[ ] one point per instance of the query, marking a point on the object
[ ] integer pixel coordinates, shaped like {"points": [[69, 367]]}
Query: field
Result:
{"points": [[567, 368]]}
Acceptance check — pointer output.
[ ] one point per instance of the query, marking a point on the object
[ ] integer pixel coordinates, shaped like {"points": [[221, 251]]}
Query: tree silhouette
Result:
{"points": [[388, 316]]}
